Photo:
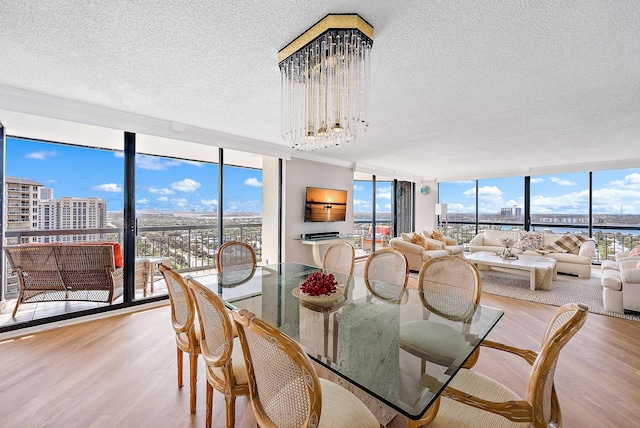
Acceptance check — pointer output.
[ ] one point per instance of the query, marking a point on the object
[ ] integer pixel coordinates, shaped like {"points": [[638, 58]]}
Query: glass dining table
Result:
{"points": [[366, 335]]}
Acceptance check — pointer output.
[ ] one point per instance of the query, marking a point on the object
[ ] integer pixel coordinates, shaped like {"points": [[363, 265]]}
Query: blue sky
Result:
{"points": [[362, 201], [614, 191], [175, 185], [161, 184]]}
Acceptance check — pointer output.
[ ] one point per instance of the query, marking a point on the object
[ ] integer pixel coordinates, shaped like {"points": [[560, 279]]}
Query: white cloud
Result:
{"points": [[155, 163], [209, 202], [252, 182], [180, 202], [107, 187], [358, 187], [489, 191], [143, 201], [186, 185], [537, 180], [562, 182], [163, 191], [41, 155], [163, 199]]}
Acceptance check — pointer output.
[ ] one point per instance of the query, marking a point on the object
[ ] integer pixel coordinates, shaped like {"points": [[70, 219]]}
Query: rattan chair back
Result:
{"points": [[217, 343], [339, 259], [285, 390], [183, 319], [450, 287], [562, 326], [386, 273], [236, 255]]}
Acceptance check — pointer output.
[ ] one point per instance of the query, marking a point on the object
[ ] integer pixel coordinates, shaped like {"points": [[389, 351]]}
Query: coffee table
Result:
{"points": [[542, 267]]}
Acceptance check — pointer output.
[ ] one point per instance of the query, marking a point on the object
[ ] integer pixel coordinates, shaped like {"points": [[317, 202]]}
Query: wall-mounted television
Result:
{"points": [[325, 204]]}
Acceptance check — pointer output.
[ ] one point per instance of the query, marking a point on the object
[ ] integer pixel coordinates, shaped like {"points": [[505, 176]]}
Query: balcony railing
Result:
{"points": [[189, 247]]}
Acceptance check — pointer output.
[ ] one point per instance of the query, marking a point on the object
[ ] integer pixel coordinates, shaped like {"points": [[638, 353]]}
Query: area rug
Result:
{"points": [[566, 289]]}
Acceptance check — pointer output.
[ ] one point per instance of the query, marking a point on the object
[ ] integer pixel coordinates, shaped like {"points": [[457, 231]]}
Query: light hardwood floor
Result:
{"points": [[121, 371]]}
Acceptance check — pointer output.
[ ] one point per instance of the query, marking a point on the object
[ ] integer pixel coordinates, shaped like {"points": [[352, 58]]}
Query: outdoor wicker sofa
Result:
{"points": [[60, 272]]}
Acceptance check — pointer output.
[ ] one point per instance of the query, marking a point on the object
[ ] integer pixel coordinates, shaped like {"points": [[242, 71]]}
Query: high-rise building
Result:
{"points": [[511, 214], [45, 193], [72, 213], [21, 206]]}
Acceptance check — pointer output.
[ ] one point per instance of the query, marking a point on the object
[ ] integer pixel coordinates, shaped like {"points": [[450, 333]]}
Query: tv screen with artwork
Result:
{"points": [[325, 204]]}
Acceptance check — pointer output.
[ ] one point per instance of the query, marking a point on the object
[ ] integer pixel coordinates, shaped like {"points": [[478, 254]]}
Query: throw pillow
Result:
{"points": [[566, 244], [529, 241], [419, 240], [635, 252], [438, 236], [638, 265]]}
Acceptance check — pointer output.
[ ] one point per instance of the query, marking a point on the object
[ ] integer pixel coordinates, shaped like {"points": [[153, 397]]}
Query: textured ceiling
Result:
{"points": [[459, 88]]}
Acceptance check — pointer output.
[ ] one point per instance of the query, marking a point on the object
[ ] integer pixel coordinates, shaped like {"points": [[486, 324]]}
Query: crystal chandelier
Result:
{"points": [[325, 83]]}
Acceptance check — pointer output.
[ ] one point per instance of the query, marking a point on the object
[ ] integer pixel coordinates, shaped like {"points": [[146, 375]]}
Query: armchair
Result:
{"points": [[621, 288], [416, 254], [450, 245]]}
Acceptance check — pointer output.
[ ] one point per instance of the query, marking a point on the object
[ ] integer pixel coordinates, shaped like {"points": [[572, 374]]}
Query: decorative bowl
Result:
{"points": [[321, 300]]}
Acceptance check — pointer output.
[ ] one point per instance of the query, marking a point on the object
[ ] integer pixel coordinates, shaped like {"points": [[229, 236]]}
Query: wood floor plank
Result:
{"points": [[121, 371]]}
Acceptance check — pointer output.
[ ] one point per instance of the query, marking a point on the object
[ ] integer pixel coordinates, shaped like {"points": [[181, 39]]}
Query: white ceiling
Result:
{"points": [[459, 88]]}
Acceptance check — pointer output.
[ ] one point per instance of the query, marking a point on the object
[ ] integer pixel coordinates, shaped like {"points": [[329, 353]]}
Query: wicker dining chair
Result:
{"points": [[339, 259], [187, 331], [222, 353], [386, 273], [449, 287], [473, 400], [284, 387], [236, 255]]}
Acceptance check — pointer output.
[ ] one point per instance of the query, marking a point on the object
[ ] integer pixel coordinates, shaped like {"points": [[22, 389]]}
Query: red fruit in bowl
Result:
{"points": [[319, 283]]}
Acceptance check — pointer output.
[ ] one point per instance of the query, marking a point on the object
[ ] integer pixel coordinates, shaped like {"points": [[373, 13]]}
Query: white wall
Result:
{"points": [[426, 206], [298, 174]]}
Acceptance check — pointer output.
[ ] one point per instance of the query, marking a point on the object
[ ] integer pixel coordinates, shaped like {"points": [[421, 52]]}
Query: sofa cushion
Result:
{"points": [[438, 236], [568, 243], [492, 237], [529, 240], [419, 240]]}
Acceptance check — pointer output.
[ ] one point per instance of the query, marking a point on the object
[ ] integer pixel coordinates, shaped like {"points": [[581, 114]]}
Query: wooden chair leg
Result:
{"points": [[427, 417], [230, 403], [193, 376], [180, 384], [209, 409], [473, 359]]}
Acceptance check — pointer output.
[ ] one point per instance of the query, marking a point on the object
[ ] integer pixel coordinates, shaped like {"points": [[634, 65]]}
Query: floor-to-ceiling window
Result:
{"points": [[63, 184], [616, 210], [603, 204], [242, 199], [373, 202], [73, 177], [461, 219]]}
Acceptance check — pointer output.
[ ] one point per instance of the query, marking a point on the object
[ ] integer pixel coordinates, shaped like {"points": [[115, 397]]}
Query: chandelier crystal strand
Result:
{"points": [[325, 89]]}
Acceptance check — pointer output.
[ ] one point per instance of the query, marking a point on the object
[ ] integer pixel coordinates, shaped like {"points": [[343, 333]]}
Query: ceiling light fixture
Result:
{"points": [[325, 83]]}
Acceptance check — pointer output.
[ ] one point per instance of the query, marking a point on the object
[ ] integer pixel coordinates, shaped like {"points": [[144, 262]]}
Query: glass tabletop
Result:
{"points": [[377, 336]]}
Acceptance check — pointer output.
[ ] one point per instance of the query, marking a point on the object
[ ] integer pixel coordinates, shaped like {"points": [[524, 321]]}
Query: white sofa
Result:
{"points": [[416, 255], [577, 262], [621, 288]]}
